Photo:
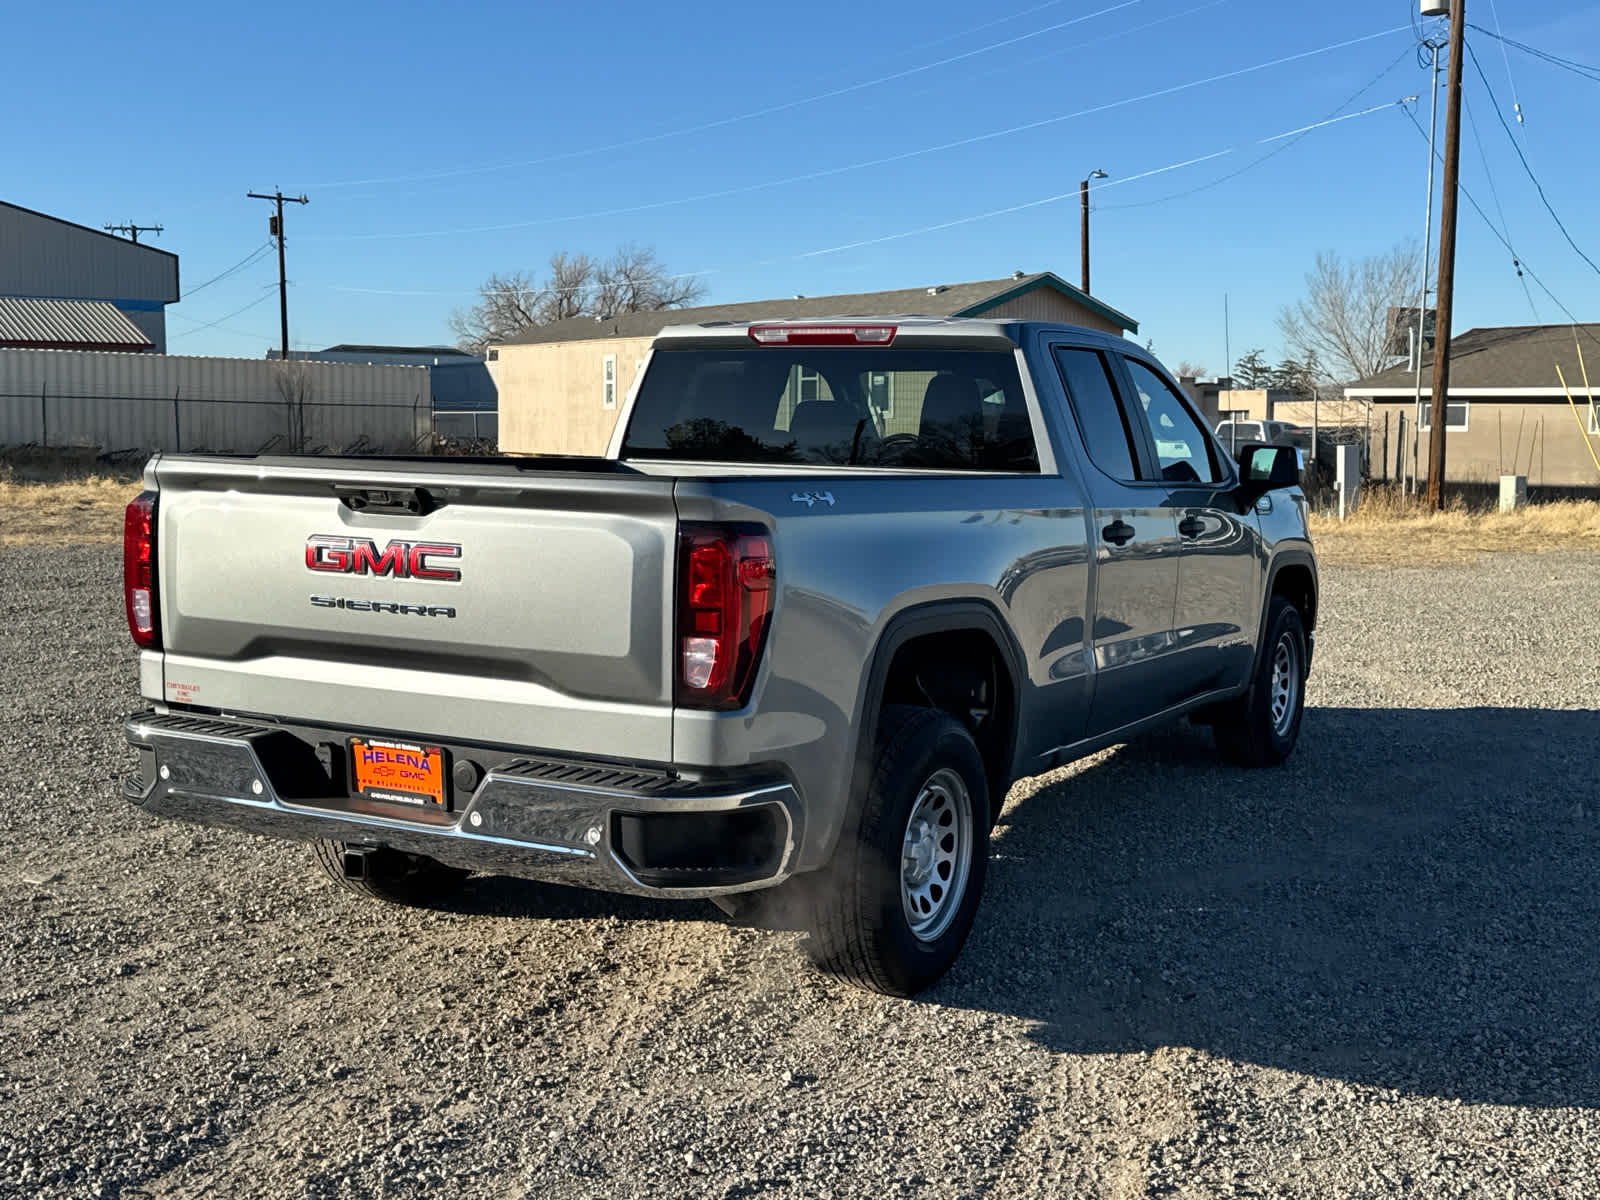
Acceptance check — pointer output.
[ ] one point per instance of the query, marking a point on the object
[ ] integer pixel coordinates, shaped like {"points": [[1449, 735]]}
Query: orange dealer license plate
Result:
{"points": [[398, 772]]}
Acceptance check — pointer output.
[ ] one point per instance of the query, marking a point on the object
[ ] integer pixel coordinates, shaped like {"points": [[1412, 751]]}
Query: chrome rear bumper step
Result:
{"points": [[578, 824]]}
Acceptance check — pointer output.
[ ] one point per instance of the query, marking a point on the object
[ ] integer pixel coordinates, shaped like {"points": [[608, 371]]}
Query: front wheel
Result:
{"points": [[1261, 727], [893, 909]]}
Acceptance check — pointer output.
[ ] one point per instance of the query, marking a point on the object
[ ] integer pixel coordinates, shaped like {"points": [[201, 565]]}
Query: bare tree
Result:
{"points": [[293, 381], [632, 280], [1187, 370], [571, 290], [508, 304], [1343, 320]]}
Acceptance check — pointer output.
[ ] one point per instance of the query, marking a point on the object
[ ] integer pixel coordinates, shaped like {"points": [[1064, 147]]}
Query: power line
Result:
{"points": [[1505, 54], [253, 257], [968, 220], [722, 122], [1523, 159], [1126, 179], [971, 29], [903, 156], [1271, 154], [255, 336], [1577, 68], [1494, 194], [262, 299], [1505, 241], [1077, 46]]}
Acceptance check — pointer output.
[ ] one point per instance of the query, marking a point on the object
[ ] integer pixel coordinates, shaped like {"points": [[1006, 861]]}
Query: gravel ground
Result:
{"points": [[1370, 973]]}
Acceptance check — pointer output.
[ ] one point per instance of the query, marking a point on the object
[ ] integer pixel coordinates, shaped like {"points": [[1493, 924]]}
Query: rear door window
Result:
{"points": [[900, 406], [1092, 392]]}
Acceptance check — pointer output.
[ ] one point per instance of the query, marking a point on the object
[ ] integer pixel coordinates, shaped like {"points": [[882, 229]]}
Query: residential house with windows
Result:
{"points": [[1507, 412], [561, 386]]}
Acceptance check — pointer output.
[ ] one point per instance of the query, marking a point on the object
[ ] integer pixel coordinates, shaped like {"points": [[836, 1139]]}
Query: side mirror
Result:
{"points": [[1264, 469]]}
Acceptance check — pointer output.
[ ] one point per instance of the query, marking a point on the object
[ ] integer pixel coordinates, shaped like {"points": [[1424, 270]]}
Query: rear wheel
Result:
{"points": [[382, 873], [893, 909], [1261, 727]]}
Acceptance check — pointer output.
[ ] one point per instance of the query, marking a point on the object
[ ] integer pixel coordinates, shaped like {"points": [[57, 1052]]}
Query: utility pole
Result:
{"points": [[275, 229], [1439, 405], [1434, 45], [1083, 204], [133, 231]]}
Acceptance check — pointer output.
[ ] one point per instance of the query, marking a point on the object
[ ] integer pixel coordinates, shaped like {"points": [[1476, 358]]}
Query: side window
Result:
{"points": [[812, 385], [1182, 448], [1099, 416], [880, 394]]}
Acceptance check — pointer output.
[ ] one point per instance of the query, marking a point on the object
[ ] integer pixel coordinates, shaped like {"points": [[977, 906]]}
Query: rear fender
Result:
{"points": [[952, 616]]}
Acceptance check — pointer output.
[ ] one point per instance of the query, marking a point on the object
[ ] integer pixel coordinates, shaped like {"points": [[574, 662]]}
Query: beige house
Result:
{"points": [[1506, 414], [562, 386], [1253, 404]]}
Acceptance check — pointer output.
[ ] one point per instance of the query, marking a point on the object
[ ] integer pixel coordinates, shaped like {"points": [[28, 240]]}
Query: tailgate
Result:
{"points": [[522, 607]]}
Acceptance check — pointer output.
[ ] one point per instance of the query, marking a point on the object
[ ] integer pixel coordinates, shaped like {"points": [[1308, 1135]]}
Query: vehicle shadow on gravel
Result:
{"points": [[507, 896], [1413, 902]]}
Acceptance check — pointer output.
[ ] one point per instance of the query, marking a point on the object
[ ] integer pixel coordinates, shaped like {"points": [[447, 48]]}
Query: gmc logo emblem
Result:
{"points": [[400, 559]]}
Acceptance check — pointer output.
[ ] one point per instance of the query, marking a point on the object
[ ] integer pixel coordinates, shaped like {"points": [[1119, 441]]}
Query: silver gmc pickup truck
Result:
{"points": [[832, 589]]}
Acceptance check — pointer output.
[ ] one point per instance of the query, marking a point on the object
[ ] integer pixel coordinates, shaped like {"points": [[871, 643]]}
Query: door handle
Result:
{"points": [[1118, 533], [1191, 527]]}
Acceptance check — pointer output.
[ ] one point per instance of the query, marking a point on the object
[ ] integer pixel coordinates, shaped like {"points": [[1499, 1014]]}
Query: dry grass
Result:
{"points": [[1394, 530], [82, 511]]}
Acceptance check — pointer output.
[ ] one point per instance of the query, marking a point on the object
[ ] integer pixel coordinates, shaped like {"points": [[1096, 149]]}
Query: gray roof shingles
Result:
{"points": [[944, 301], [1512, 357]]}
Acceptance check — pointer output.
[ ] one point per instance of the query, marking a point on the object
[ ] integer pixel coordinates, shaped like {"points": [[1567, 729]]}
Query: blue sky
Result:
{"points": [[751, 141]]}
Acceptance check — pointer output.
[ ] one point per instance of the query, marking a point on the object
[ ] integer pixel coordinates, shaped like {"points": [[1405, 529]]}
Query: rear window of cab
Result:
{"points": [[932, 409]]}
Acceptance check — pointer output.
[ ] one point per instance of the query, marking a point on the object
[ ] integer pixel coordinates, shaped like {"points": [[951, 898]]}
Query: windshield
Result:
{"points": [[870, 406]]}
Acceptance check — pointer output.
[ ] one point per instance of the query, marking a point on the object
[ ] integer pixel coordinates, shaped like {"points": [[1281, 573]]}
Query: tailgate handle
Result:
{"points": [[411, 502]]}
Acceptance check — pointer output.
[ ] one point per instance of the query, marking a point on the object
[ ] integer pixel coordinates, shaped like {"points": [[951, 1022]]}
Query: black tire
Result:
{"points": [[393, 875], [1250, 731], [860, 927]]}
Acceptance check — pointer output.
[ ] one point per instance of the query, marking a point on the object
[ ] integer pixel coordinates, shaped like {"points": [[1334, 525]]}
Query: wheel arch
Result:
{"points": [[1293, 575], [970, 628]]}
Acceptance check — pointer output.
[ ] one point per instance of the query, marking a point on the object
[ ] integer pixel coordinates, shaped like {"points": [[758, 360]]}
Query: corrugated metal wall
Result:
{"points": [[229, 405], [152, 324], [43, 256]]}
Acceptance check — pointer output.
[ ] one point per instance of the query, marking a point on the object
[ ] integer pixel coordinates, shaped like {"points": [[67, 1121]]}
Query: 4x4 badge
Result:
{"points": [[811, 498]]}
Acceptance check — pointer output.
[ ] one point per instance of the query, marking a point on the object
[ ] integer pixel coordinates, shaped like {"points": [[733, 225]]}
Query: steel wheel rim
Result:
{"points": [[936, 854], [1285, 684]]}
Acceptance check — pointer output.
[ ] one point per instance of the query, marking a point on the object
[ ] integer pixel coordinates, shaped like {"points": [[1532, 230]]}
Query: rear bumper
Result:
{"points": [[588, 825]]}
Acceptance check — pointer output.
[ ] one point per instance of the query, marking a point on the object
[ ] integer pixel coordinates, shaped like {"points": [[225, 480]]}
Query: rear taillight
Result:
{"points": [[725, 594], [139, 570]]}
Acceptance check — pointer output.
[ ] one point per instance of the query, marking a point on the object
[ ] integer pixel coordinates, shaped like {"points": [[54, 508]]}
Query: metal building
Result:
{"points": [[73, 287], [461, 381], [141, 402]]}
